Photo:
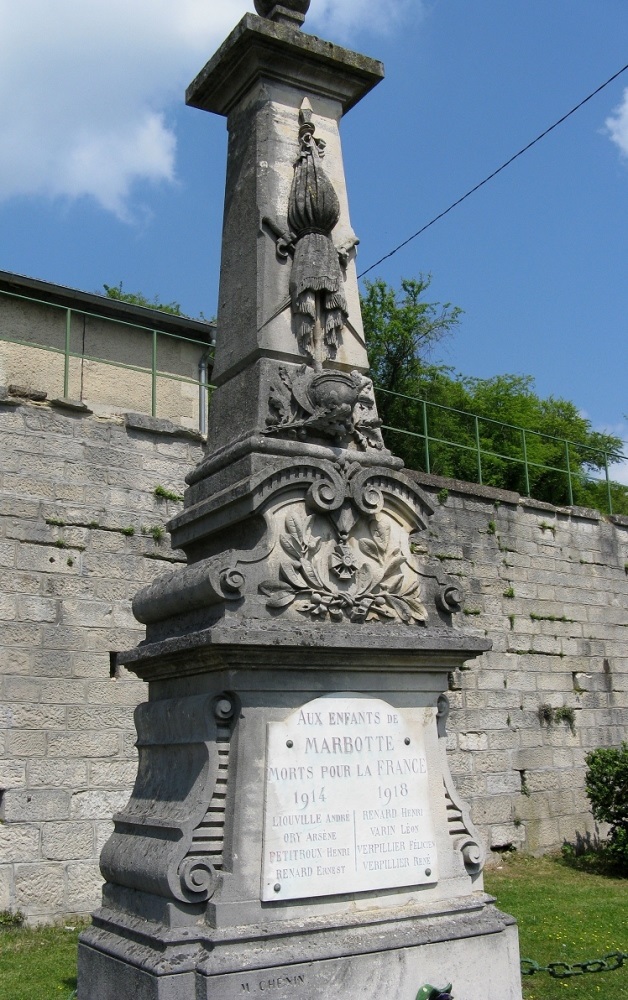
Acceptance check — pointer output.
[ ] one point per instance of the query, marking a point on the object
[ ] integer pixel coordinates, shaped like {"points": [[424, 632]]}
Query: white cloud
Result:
{"points": [[85, 86], [346, 17], [617, 125]]}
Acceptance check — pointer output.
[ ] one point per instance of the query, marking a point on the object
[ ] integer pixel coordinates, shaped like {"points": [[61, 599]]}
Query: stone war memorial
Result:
{"points": [[294, 830]]}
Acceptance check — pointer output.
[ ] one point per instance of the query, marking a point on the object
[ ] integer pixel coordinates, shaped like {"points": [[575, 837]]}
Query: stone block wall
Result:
{"points": [[549, 587], [81, 531]]}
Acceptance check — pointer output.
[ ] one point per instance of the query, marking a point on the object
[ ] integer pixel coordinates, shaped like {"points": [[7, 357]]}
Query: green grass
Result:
{"points": [[38, 963], [565, 914]]}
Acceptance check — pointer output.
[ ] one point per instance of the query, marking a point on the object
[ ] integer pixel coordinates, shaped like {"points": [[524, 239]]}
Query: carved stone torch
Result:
{"points": [[294, 827]]}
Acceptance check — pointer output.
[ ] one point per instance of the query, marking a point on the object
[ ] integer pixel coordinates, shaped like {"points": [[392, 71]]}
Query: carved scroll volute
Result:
{"points": [[367, 493], [461, 829], [449, 598], [153, 847], [327, 494]]}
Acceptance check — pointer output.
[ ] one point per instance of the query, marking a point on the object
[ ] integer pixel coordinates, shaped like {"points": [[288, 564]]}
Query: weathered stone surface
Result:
{"points": [[411, 951], [12, 774], [26, 744], [58, 773], [83, 883], [79, 744], [64, 403], [67, 841], [18, 842], [19, 806], [38, 887], [6, 877], [142, 422], [97, 804]]}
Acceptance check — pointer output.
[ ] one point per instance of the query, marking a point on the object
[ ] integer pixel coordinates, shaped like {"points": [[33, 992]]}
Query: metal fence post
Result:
{"points": [[66, 353], [526, 470], [609, 493], [569, 481], [153, 372], [426, 437], [479, 448]]}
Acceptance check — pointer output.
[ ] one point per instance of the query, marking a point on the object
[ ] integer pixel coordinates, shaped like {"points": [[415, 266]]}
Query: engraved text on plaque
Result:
{"points": [[347, 804]]}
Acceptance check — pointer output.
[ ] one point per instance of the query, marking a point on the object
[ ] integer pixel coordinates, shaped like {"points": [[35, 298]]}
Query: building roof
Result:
{"points": [[101, 305]]}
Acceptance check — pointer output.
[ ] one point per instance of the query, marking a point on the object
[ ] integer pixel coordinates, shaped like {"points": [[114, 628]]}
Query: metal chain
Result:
{"points": [[564, 970]]}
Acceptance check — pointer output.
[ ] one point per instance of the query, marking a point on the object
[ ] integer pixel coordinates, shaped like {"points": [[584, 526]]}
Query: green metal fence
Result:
{"points": [[523, 442], [66, 351], [485, 464]]}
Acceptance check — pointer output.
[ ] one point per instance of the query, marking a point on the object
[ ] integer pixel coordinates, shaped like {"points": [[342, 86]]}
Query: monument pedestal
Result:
{"points": [[311, 767], [474, 943]]}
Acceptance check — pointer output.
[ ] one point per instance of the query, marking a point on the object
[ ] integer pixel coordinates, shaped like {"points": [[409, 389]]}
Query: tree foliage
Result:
{"points": [[465, 416], [401, 331], [139, 299]]}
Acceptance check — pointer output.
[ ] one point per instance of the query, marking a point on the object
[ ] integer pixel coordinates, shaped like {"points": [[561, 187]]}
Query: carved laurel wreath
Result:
{"points": [[374, 590]]}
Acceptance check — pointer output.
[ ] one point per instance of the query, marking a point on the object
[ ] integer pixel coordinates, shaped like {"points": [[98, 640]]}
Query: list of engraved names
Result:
{"points": [[347, 805]]}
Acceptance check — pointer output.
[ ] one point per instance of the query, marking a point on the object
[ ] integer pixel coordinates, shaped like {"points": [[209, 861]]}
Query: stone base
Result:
{"points": [[469, 944]]}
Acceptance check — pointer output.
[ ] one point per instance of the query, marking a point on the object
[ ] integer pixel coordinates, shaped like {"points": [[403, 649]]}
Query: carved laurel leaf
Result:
{"points": [[418, 610], [395, 585], [281, 600], [312, 542], [315, 545], [394, 565], [380, 531], [294, 528], [364, 578], [292, 576], [278, 595], [271, 587], [400, 607], [368, 547], [290, 546], [311, 575]]}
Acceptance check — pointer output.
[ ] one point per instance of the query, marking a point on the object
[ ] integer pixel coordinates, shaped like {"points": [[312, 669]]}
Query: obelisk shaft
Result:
{"points": [[259, 80]]}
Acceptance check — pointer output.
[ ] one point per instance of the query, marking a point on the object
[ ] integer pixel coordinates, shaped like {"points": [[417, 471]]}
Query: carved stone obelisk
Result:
{"points": [[294, 827]]}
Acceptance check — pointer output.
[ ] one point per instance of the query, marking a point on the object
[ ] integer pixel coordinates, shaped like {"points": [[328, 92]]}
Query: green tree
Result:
{"points": [[139, 299], [458, 413], [400, 331]]}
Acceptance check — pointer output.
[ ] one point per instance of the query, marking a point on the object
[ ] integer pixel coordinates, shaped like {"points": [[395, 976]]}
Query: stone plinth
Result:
{"points": [[183, 914]]}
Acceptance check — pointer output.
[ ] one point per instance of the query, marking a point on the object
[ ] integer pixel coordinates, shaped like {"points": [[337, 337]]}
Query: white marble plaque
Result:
{"points": [[347, 804]]}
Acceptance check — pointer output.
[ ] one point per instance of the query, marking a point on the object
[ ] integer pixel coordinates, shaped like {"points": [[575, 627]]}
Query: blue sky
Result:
{"points": [[105, 176]]}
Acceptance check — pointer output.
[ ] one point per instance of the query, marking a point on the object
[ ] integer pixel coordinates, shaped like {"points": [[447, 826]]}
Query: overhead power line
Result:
{"points": [[495, 172]]}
